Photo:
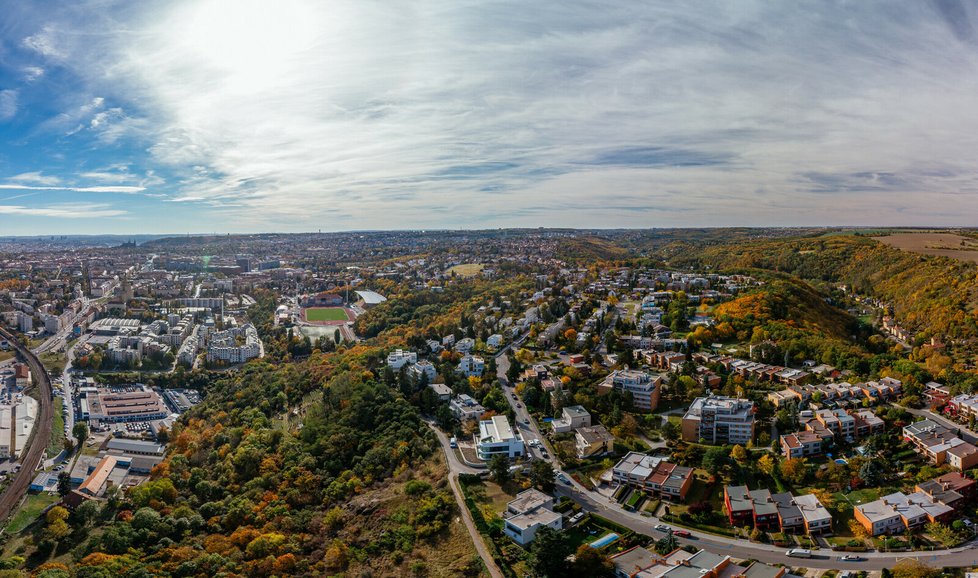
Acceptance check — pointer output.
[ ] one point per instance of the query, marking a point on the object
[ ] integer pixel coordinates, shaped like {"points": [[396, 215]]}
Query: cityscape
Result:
{"points": [[487, 290]]}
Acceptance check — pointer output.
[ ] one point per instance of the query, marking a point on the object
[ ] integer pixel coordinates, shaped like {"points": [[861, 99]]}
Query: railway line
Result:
{"points": [[38, 442]]}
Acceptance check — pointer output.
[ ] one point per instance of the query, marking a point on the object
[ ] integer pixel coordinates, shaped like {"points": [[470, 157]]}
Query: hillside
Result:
{"points": [[929, 295]]}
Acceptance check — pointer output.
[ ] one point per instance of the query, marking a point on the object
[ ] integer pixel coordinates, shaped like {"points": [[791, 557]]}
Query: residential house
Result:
{"points": [[571, 418], [399, 358], [593, 441], [527, 513], [464, 408], [654, 475], [644, 387], [801, 444], [471, 366], [496, 437]]}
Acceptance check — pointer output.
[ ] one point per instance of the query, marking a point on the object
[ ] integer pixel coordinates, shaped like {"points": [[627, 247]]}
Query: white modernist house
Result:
{"points": [[464, 408], [416, 370], [496, 437], [572, 417], [471, 366], [530, 511], [399, 358], [494, 341]]}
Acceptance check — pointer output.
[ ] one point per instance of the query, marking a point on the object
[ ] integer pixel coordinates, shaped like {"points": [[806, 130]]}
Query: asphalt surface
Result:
{"points": [[31, 459]]}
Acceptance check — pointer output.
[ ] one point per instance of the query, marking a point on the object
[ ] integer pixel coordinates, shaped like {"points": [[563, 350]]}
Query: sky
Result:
{"points": [[305, 115]]}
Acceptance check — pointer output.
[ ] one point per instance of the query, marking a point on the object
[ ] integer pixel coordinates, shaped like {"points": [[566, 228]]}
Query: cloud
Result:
{"points": [[8, 104], [32, 73], [64, 211], [448, 114], [96, 189], [36, 178]]}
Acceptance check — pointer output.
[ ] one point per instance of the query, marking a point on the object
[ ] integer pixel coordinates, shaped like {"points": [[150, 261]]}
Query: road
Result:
{"points": [[455, 467], [596, 503], [963, 431], [742, 549], [31, 459]]}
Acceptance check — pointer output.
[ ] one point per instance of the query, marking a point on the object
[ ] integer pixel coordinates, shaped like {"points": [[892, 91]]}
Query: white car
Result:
{"points": [[662, 527]]}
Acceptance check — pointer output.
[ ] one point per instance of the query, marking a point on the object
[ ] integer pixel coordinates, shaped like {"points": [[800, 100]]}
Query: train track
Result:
{"points": [[31, 459]]}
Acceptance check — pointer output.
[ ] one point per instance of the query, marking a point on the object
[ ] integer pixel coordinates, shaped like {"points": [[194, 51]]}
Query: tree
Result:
{"points": [[64, 484], [591, 562], [715, 459], [549, 552], [670, 431], [795, 470], [913, 568], [739, 453], [80, 432], [872, 472], [858, 530], [666, 544], [542, 475], [499, 468], [766, 464]]}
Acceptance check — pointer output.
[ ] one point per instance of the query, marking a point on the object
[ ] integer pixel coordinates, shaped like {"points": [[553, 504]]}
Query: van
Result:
{"points": [[799, 553], [453, 443]]}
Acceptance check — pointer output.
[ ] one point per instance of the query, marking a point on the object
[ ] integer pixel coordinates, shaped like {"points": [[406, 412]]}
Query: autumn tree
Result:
{"points": [[794, 470]]}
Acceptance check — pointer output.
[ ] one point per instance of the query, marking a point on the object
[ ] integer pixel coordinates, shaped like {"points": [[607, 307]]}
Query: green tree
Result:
{"points": [[80, 432], [542, 475], [64, 484], [592, 563], [549, 552], [499, 468], [715, 459]]}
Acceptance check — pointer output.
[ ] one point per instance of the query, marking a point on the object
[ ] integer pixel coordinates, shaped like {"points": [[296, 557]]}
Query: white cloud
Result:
{"points": [[64, 211], [32, 73], [96, 189], [36, 178], [8, 104], [439, 113]]}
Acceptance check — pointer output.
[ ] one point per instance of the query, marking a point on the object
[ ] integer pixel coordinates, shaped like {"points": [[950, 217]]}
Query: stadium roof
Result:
{"points": [[371, 298]]}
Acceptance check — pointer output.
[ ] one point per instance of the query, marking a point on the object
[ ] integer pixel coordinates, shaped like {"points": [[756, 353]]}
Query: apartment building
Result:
{"points": [[644, 387], [471, 366], [719, 420]]}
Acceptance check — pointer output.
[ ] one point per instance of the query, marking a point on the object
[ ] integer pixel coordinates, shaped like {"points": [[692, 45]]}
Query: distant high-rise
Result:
{"points": [[244, 263]]}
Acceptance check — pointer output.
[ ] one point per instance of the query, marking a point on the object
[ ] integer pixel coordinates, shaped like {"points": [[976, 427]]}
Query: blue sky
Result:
{"points": [[299, 115]]}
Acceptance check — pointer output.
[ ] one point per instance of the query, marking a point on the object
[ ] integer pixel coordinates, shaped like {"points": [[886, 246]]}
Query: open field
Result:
{"points": [[32, 508], [325, 314], [467, 270], [937, 244]]}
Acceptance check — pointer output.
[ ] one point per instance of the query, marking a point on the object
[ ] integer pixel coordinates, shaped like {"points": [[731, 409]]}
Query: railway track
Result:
{"points": [[38, 442]]}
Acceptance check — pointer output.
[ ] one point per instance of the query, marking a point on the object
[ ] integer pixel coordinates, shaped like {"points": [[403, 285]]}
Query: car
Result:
{"points": [[851, 558], [662, 527], [453, 443], [519, 405], [681, 533], [514, 396]]}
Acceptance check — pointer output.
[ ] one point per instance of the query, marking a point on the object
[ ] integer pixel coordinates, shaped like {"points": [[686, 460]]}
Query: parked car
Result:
{"points": [[662, 527], [851, 558], [681, 533]]}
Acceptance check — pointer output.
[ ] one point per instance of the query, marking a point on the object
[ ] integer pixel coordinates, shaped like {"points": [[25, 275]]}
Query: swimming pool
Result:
{"points": [[841, 461], [605, 540]]}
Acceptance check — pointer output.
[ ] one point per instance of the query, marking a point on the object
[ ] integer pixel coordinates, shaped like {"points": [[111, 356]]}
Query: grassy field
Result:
{"points": [[467, 270], [29, 512], [54, 362], [326, 314], [56, 444], [5, 355]]}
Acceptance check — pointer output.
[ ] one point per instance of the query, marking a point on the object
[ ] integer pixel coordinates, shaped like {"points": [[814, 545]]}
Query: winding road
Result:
{"points": [[31, 459]]}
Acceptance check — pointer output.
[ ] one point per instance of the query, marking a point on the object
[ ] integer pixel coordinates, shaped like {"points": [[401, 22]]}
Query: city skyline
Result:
{"points": [[202, 117]]}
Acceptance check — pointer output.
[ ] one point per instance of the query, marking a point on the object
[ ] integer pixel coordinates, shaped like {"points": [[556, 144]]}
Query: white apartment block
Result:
{"points": [[224, 346], [719, 420], [399, 358], [496, 437]]}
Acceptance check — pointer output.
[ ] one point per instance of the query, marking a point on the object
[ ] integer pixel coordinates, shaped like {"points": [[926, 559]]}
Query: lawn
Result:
{"points": [[30, 510], [53, 361], [56, 443], [466, 270], [326, 314]]}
